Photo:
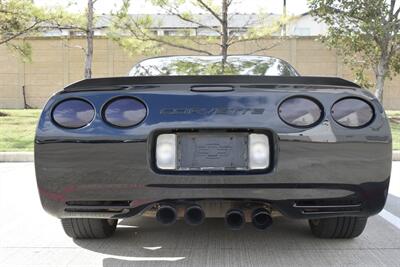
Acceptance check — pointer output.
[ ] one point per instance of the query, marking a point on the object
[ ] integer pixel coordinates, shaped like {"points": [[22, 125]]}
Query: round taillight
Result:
{"points": [[73, 113], [300, 111], [124, 112], [352, 112]]}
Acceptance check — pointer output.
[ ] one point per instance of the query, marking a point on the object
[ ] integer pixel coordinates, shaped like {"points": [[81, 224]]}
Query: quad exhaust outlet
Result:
{"points": [[194, 215], [235, 218], [166, 215], [261, 218]]}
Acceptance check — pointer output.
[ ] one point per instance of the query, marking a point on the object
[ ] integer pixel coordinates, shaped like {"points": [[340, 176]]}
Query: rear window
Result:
{"points": [[212, 65]]}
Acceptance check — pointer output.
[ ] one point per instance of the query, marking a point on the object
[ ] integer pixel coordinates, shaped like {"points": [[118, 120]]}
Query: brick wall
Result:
{"points": [[57, 62]]}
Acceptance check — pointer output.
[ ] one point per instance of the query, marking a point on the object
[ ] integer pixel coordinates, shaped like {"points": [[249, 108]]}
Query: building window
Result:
{"points": [[237, 32], [202, 31], [177, 32]]}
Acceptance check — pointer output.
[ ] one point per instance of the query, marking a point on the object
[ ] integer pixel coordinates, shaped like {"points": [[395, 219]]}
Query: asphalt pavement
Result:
{"points": [[30, 237]]}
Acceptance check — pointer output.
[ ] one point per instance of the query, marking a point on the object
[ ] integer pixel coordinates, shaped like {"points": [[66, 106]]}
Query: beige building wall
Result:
{"points": [[57, 62]]}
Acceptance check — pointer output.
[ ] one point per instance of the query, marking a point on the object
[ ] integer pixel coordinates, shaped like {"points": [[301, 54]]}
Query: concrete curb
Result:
{"points": [[396, 155], [28, 156], [16, 156]]}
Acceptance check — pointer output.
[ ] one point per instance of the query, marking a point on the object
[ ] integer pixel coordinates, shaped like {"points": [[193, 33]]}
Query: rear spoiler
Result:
{"points": [[119, 83]]}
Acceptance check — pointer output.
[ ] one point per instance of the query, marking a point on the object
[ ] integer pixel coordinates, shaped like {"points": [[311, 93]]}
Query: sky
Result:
{"points": [[294, 7]]}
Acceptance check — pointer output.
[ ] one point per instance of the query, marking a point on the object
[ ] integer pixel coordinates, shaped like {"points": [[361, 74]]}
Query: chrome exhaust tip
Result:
{"points": [[166, 215], [194, 215], [234, 219], [261, 218]]}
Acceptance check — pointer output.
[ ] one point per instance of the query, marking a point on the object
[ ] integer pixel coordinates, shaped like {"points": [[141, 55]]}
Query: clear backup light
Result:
{"points": [[166, 151], [258, 151]]}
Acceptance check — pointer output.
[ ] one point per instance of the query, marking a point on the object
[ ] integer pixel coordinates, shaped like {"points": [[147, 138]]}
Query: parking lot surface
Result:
{"points": [[30, 237]]}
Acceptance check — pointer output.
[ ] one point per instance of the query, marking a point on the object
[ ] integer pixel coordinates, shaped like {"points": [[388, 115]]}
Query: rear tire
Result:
{"points": [[85, 228], [338, 227]]}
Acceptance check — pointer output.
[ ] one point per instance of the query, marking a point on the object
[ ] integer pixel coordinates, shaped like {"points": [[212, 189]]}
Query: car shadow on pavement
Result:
{"points": [[144, 242]]}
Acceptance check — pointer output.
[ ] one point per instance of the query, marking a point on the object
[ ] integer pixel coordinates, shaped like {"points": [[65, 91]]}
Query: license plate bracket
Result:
{"points": [[212, 151]]}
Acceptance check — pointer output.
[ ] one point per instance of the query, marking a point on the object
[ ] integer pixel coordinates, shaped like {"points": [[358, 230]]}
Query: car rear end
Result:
{"points": [[112, 149]]}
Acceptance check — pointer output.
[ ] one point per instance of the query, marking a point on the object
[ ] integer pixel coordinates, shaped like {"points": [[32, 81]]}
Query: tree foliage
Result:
{"points": [[365, 33], [135, 33], [18, 18], [22, 18]]}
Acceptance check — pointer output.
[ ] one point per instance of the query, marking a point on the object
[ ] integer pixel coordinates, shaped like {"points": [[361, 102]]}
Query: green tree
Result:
{"points": [[135, 33], [22, 18], [365, 33], [82, 24], [19, 18]]}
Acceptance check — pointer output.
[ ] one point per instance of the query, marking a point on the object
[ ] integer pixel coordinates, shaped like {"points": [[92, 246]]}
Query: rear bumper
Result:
{"points": [[309, 179]]}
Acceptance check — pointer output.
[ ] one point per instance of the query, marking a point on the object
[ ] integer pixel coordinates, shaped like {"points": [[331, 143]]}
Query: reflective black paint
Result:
{"points": [[144, 82], [104, 163]]}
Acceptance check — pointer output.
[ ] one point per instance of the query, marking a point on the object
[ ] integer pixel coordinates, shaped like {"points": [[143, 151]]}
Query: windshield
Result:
{"points": [[212, 65]]}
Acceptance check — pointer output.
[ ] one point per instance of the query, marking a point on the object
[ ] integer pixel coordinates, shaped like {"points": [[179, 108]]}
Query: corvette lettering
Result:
{"points": [[210, 111]]}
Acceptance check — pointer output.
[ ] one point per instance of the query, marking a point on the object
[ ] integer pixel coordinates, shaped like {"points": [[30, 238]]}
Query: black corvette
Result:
{"points": [[191, 137]]}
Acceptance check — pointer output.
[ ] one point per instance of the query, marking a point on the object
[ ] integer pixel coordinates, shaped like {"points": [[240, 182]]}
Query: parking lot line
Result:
{"points": [[390, 217]]}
